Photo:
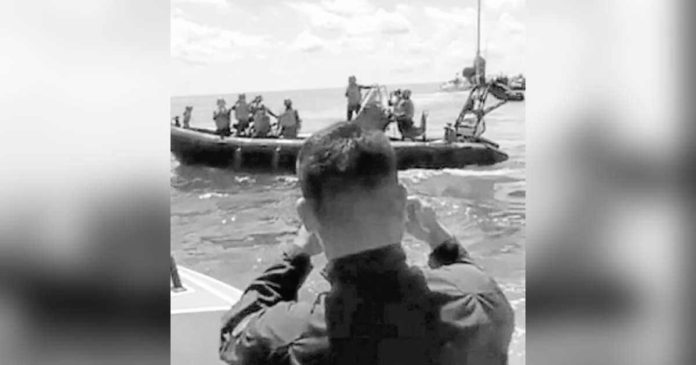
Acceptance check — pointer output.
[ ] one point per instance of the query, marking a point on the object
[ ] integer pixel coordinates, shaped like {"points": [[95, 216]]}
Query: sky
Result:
{"points": [[227, 46]]}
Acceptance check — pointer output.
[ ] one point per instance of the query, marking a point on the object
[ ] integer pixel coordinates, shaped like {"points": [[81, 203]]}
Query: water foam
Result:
{"points": [[417, 175], [212, 195]]}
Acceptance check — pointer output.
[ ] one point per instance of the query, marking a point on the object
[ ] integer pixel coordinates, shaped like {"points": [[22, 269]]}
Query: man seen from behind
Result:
{"points": [[378, 310]]}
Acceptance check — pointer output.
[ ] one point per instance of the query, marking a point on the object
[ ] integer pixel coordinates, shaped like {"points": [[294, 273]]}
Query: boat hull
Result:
{"points": [[203, 147]]}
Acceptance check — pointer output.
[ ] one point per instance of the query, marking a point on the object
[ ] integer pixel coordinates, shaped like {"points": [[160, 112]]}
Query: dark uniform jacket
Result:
{"points": [[378, 311]]}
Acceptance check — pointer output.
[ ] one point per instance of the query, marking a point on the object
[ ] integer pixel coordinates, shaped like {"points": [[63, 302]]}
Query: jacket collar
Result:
{"points": [[366, 266]]}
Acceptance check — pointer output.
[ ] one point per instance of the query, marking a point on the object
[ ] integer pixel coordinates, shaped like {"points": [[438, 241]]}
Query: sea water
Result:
{"points": [[229, 225]]}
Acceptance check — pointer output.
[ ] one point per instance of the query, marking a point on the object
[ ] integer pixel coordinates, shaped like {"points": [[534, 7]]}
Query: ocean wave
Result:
{"points": [[496, 172], [417, 175], [289, 179], [212, 195], [518, 303], [244, 179]]}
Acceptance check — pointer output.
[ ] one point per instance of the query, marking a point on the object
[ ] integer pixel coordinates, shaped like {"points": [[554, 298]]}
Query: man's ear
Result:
{"points": [[307, 215]]}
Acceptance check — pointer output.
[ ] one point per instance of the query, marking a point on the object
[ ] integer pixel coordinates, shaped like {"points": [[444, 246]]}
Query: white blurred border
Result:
{"points": [[606, 129], [84, 181]]}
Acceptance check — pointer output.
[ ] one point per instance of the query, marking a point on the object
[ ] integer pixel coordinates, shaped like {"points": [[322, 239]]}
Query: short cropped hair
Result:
{"points": [[343, 158]]}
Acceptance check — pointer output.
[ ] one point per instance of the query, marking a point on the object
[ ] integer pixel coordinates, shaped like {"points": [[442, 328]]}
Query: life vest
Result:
{"points": [[353, 94], [405, 108], [241, 111], [262, 122], [288, 118], [222, 118]]}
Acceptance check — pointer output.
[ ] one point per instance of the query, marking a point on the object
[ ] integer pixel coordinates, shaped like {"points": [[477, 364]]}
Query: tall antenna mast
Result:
{"points": [[478, 60], [478, 30]]}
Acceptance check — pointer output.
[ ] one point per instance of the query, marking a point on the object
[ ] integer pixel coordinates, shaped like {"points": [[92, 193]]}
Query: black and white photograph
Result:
{"points": [[348, 182]]}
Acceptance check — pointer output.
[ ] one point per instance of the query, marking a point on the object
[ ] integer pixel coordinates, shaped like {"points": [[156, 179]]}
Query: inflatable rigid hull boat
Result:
{"points": [[194, 146]]}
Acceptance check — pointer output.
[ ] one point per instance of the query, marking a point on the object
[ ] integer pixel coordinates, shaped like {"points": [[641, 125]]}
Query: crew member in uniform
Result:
{"points": [[289, 121], [222, 118], [354, 97]]}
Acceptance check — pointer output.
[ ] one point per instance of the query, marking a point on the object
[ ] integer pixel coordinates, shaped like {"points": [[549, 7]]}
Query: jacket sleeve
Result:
{"points": [[473, 310], [239, 339]]}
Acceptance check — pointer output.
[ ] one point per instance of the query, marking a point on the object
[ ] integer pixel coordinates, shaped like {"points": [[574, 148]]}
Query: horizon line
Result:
{"points": [[306, 89]]}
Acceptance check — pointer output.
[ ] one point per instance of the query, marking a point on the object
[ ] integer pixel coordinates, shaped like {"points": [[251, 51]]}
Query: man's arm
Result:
{"points": [[270, 112], [469, 300], [242, 337]]}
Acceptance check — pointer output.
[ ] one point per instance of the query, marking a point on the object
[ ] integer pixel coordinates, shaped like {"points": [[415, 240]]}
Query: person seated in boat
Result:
{"points": [[403, 113], [257, 104], [187, 116], [176, 121], [241, 113], [289, 121], [378, 309], [354, 97], [256, 111], [222, 118], [262, 124]]}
